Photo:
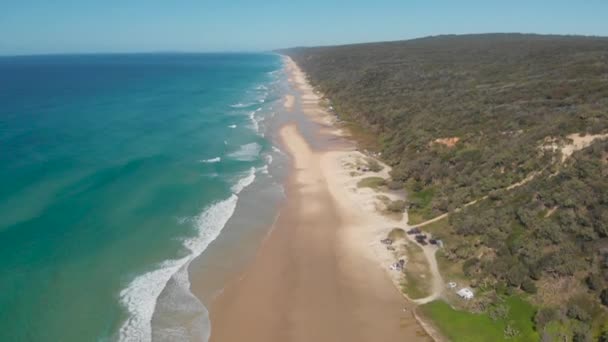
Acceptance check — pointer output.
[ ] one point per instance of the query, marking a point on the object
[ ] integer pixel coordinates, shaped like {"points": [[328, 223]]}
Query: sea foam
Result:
{"points": [[212, 160], [254, 122], [244, 182], [244, 105], [248, 152], [141, 295]]}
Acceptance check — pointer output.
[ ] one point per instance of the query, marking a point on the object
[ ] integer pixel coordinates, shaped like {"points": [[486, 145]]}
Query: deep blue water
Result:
{"points": [[115, 170]]}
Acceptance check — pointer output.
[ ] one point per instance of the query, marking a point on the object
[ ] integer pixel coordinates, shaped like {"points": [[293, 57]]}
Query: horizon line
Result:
{"points": [[275, 51]]}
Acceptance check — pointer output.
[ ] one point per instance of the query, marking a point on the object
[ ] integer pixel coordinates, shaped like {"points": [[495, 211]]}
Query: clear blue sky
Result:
{"points": [[59, 26]]}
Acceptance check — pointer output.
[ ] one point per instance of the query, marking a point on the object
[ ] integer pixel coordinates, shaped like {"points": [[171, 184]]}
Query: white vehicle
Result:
{"points": [[465, 293]]}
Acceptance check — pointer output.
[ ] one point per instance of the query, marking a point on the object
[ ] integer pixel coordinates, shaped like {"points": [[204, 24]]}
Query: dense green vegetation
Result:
{"points": [[510, 320], [420, 204], [462, 118]]}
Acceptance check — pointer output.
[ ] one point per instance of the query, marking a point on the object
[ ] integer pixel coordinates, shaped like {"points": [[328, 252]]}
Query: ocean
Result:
{"points": [[116, 171]]}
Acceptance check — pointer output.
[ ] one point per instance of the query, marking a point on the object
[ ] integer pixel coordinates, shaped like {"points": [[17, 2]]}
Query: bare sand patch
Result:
{"points": [[289, 102], [448, 142], [572, 143]]}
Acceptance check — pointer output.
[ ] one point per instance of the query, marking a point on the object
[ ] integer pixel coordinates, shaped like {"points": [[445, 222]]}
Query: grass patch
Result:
{"points": [[439, 228], [470, 327], [420, 202], [371, 182], [397, 206], [424, 197], [414, 287], [396, 234], [450, 270], [417, 275], [414, 217]]}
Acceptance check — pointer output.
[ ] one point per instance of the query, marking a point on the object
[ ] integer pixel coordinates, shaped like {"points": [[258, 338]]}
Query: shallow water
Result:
{"points": [[115, 172]]}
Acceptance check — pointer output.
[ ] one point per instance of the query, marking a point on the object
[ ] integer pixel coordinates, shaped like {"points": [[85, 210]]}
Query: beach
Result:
{"points": [[321, 273]]}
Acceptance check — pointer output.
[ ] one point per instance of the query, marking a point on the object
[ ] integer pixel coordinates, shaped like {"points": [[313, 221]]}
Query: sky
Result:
{"points": [[88, 26]]}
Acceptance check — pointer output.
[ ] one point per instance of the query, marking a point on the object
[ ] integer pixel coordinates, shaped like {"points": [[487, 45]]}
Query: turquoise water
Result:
{"points": [[115, 170]]}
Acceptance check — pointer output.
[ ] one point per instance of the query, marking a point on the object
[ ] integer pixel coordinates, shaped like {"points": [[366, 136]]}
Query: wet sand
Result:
{"points": [[313, 278]]}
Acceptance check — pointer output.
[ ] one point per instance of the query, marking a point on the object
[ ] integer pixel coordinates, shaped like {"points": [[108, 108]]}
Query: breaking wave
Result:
{"points": [[244, 182], [212, 160], [141, 295], [248, 152], [244, 105]]}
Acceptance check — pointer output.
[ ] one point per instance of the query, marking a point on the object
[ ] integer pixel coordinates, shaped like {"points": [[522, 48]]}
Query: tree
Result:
{"points": [[582, 333], [581, 336], [470, 266], [604, 296], [578, 313], [529, 286], [516, 275], [544, 316], [594, 281]]}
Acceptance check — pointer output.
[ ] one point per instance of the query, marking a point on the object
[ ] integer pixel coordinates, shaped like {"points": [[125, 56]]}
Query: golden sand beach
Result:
{"points": [[321, 274]]}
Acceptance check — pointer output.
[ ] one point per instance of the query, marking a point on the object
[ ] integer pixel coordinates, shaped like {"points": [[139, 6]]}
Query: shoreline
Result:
{"points": [[181, 310], [317, 275]]}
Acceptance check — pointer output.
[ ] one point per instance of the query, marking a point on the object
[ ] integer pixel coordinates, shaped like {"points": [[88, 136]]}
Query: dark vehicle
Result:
{"points": [[413, 231]]}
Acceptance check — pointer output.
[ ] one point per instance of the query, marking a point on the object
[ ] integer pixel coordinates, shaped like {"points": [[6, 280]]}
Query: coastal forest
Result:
{"points": [[508, 135]]}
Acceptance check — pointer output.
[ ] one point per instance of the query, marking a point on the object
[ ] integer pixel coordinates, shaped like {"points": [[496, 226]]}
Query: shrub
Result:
{"points": [[371, 182], [578, 313], [397, 206], [495, 195], [497, 312], [395, 185], [582, 333], [544, 316], [594, 281], [511, 332], [535, 272], [516, 275], [469, 266], [604, 297], [373, 165], [500, 287], [529, 286]]}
